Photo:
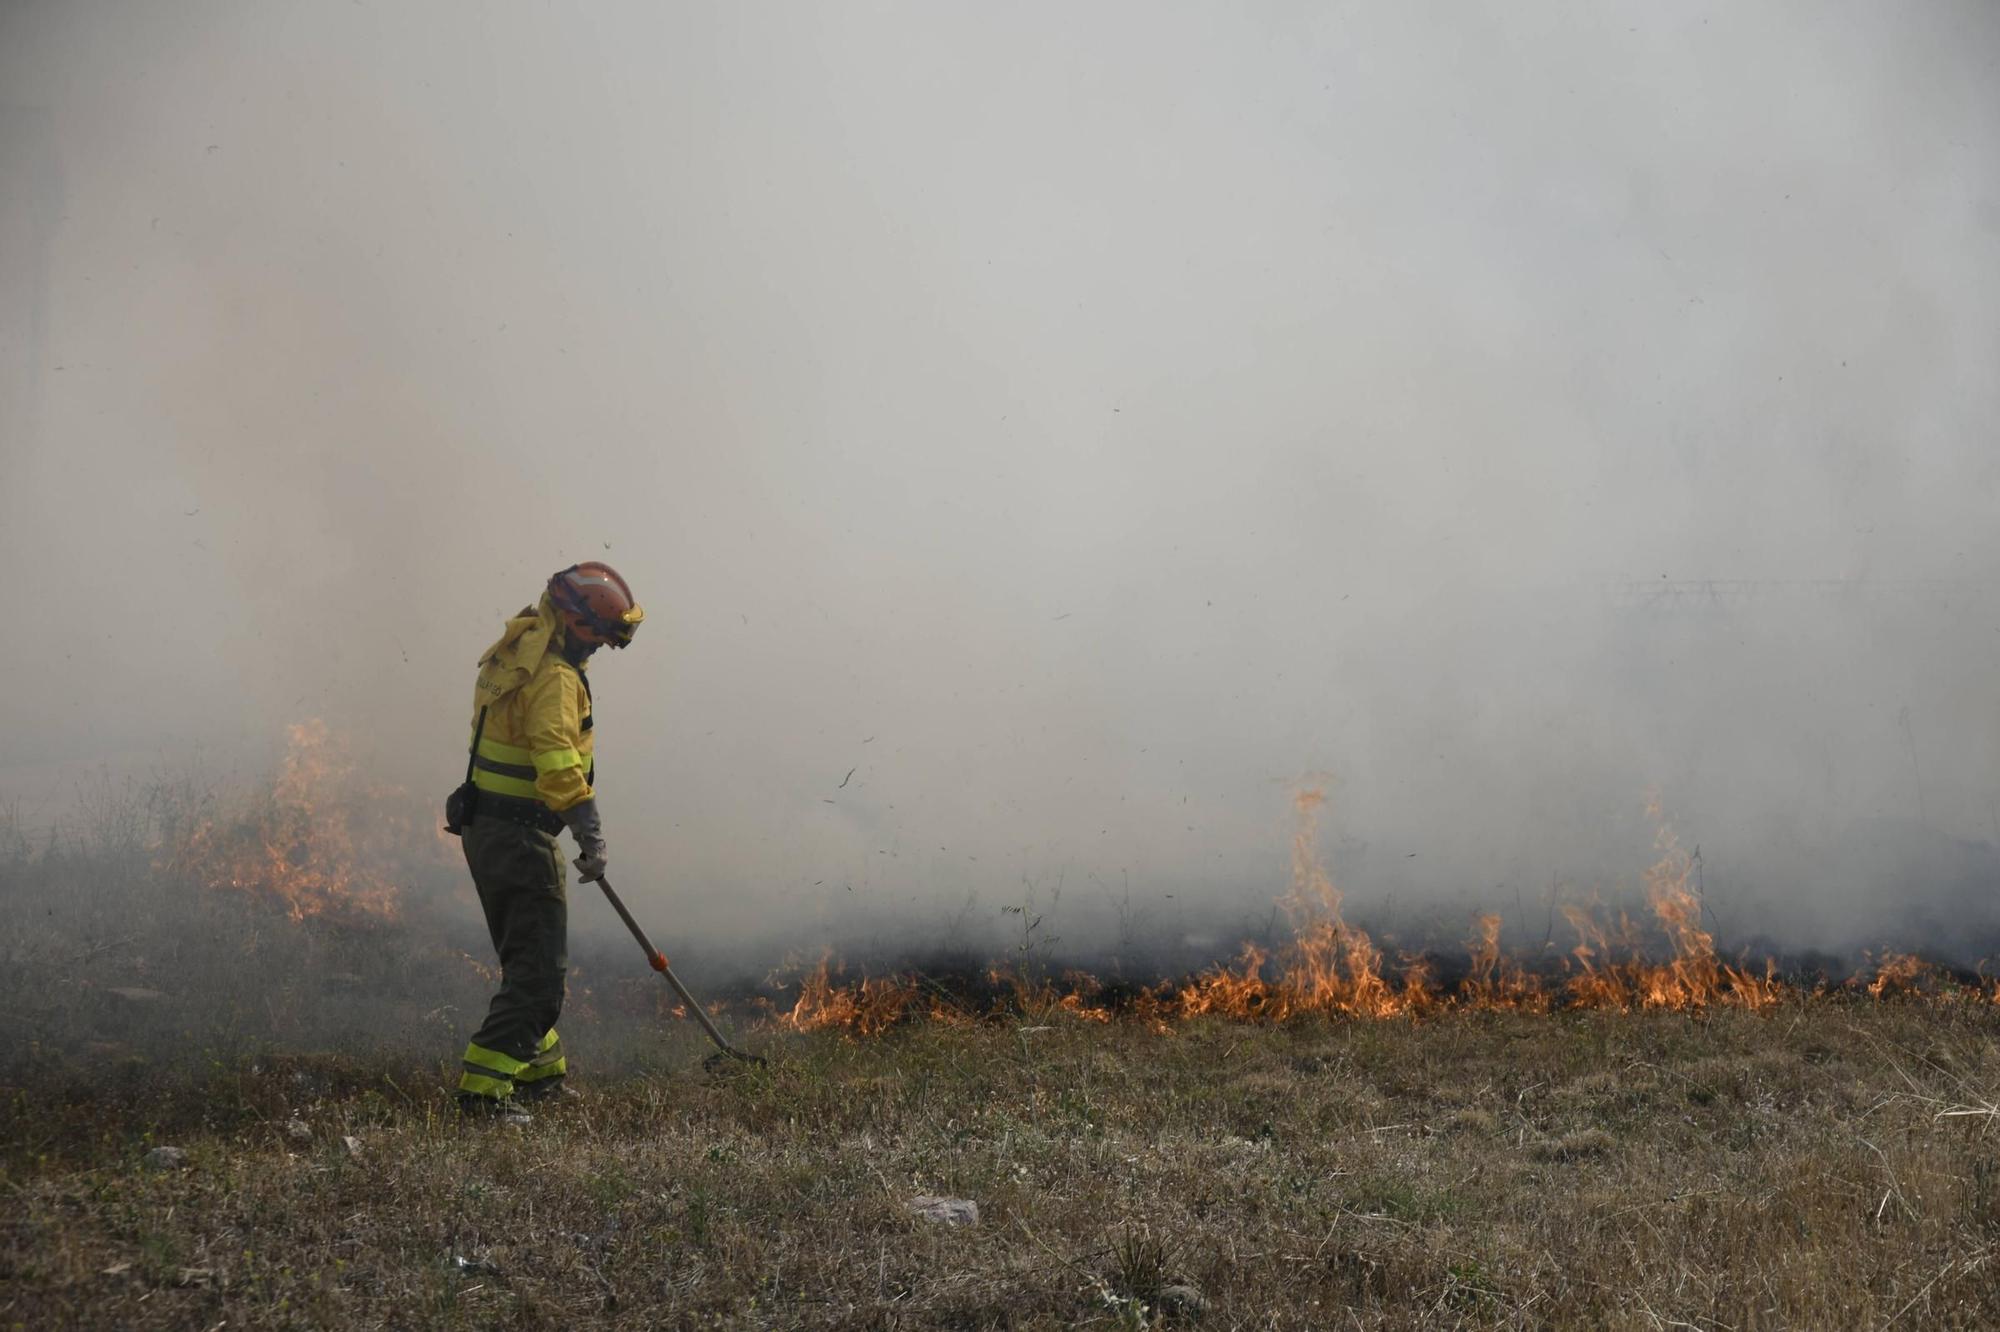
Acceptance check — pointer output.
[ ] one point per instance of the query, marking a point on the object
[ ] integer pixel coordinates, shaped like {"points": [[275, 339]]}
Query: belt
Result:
{"points": [[515, 809]]}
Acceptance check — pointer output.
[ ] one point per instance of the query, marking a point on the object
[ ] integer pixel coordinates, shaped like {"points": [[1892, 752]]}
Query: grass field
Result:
{"points": [[1827, 1161], [1804, 1167]]}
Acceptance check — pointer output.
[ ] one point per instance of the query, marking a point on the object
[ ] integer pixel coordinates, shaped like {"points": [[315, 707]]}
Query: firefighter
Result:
{"points": [[531, 778]]}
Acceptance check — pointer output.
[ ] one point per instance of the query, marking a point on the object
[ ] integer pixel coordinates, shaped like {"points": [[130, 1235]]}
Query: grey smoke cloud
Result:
{"points": [[1081, 425]]}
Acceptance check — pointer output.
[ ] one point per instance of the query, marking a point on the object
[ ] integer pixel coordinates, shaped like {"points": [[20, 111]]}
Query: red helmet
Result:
{"points": [[596, 604]]}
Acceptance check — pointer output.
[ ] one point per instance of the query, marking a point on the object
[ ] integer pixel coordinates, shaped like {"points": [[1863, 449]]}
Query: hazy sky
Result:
{"points": [[1083, 422]]}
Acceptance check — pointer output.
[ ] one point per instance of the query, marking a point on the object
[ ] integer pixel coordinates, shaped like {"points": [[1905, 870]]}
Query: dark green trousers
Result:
{"points": [[520, 876]]}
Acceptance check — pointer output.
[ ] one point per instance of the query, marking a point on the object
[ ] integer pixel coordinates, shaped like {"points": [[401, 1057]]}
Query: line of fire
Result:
{"points": [[309, 855]]}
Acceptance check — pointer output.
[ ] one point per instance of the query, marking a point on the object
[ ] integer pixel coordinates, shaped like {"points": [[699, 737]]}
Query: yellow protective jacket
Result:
{"points": [[537, 742]]}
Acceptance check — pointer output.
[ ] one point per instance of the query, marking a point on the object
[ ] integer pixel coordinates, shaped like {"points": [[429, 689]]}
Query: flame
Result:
{"points": [[1498, 982], [1693, 977], [866, 1008], [1899, 973], [298, 847], [1329, 968]]}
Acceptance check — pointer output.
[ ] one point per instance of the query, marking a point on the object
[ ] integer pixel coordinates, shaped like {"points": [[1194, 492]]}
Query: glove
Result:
{"points": [[588, 831]]}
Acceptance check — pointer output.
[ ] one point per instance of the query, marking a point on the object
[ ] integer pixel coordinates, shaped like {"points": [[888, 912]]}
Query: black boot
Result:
{"points": [[492, 1110], [547, 1092]]}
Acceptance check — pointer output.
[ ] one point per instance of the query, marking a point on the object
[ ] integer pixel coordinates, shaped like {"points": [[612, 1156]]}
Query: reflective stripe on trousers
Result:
{"points": [[492, 1074], [548, 1062]]}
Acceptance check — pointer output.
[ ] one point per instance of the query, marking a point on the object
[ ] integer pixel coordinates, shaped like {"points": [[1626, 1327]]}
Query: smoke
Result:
{"points": [[1040, 441]]}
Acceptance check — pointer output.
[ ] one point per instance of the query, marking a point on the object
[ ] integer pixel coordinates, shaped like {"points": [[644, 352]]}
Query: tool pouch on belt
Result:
{"points": [[462, 805]]}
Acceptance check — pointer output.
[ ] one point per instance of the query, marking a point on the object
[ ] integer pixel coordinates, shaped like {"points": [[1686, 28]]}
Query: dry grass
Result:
{"points": [[1831, 1163], [1590, 1170]]}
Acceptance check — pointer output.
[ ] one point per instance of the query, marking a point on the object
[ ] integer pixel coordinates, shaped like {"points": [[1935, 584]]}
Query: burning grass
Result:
{"points": [[318, 842], [320, 846], [1330, 968]]}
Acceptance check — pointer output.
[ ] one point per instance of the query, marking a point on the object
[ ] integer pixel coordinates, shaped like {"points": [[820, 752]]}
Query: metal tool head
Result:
{"points": [[720, 1059]]}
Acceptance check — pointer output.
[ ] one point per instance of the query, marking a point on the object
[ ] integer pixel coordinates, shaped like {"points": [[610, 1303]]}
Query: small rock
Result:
{"points": [[136, 994], [475, 1266], [166, 1158], [297, 1130], [1185, 1301], [353, 1146], [949, 1211]]}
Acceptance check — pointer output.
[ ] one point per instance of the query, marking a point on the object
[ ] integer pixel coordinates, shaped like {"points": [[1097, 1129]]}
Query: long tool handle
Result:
{"points": [[658, 962]]}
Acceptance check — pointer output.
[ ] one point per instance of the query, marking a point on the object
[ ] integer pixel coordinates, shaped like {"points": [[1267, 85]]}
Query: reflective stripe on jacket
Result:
{"points": [[538, 743]]}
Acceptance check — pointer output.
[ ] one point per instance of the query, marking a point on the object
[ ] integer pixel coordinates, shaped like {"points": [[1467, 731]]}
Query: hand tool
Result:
{"points": [[658, 962]]}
